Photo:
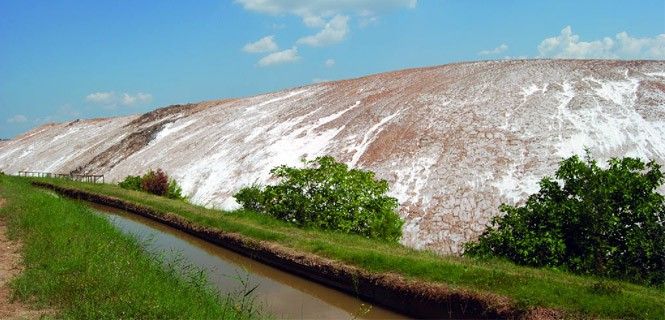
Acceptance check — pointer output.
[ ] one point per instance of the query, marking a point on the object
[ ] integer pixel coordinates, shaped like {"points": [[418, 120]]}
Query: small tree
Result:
{"points": [[608, 222], [155, 182], [327, 195], [174, 191]]}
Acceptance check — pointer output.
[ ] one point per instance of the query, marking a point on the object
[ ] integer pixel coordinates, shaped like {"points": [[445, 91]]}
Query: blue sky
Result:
{"points": [[63, 60]]}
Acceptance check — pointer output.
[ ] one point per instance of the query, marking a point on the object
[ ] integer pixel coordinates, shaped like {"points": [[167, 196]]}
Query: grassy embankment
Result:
{"points": [[528, 287], [78, 264]]}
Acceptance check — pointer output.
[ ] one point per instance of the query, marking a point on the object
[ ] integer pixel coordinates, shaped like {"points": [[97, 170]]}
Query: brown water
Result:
{"points": [[278, 293]]}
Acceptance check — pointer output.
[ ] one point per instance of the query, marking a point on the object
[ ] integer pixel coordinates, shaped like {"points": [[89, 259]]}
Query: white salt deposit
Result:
{"points": [[458, 144]]}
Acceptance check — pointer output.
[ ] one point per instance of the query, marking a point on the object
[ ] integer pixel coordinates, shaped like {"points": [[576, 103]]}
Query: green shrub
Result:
{"points": [[131, 183], [174, 191], [608, 222], [155, 182], [251, 198], [327, 195]]}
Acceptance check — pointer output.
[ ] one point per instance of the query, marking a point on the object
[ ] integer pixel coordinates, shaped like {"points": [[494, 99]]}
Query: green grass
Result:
{"points": [[79, 265], [577, 295]]}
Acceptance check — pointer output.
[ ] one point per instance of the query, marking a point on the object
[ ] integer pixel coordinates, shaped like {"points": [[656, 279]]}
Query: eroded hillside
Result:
{"points": [[454, 141]]}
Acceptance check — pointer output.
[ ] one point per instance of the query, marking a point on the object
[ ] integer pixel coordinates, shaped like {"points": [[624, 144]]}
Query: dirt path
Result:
{"points": [[10, 266]]}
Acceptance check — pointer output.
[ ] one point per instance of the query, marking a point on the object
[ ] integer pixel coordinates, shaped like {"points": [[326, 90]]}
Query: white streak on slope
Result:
{"points": [[370, 135]]}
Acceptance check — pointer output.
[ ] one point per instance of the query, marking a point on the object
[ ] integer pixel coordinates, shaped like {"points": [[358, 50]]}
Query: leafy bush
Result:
{"points": [[131, 183], [251, 198], [174, 191], [155, 182], [609, 222], [327, 195]]}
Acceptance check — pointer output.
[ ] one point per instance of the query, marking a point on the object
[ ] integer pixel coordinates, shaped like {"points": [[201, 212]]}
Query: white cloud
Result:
{"points": [[68, 110], [45, 119], [368, 19], [329, 63], [314, 14], [265, 44], [65, 112], [100, 97], [333, 32], [111, 99], [323, 7], [622, 46], [650, 48], [522, 57], [313, 21], [140, 98], [19, 118], [284, 56], [501, 48]]}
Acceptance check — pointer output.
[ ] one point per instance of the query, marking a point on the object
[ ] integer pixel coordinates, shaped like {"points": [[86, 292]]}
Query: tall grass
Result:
{"points": [[81, 266], [528, 287]]}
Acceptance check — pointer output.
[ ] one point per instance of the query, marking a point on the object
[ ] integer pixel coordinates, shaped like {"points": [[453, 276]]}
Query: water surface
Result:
{"points": [[277, 292]]}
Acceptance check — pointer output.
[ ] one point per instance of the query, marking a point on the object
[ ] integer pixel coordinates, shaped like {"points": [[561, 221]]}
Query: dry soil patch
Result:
{"points": [[10, 266]]}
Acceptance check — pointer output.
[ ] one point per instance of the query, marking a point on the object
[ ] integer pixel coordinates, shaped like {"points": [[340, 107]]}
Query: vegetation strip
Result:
{"points": [[77, 263], [538, 290], [10, 267], [411, 297]]}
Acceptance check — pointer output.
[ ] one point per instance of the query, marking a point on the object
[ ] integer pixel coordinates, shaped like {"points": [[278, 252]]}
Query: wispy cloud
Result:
{"points": [[323, 7], [313, 21], [622, 46], [19, 118], [139, 98], [329, 63], [100, 97], [265, 44], [367, 19], [333, 32], [500, 49], [330, 16], [280, 57], [65, 112], [68, 110], [111, 99]]}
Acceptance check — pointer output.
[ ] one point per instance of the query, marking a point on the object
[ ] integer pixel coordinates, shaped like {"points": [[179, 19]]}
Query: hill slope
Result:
{"points": [[454, 141]]}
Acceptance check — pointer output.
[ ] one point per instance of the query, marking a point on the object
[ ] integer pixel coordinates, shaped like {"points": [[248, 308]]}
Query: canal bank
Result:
{"points": [[77, 265], [276, 292], [411, 297]]}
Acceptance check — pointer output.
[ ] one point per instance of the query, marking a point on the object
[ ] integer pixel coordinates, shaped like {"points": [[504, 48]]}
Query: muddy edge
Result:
{"points": [[414, 298]]}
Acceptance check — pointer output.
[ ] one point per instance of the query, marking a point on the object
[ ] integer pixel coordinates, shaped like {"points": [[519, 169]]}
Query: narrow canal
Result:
{"points": [[280, 294]]}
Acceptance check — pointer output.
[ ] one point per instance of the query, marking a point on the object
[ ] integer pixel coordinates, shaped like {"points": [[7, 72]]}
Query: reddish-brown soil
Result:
{"points": [[10, 266]]}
